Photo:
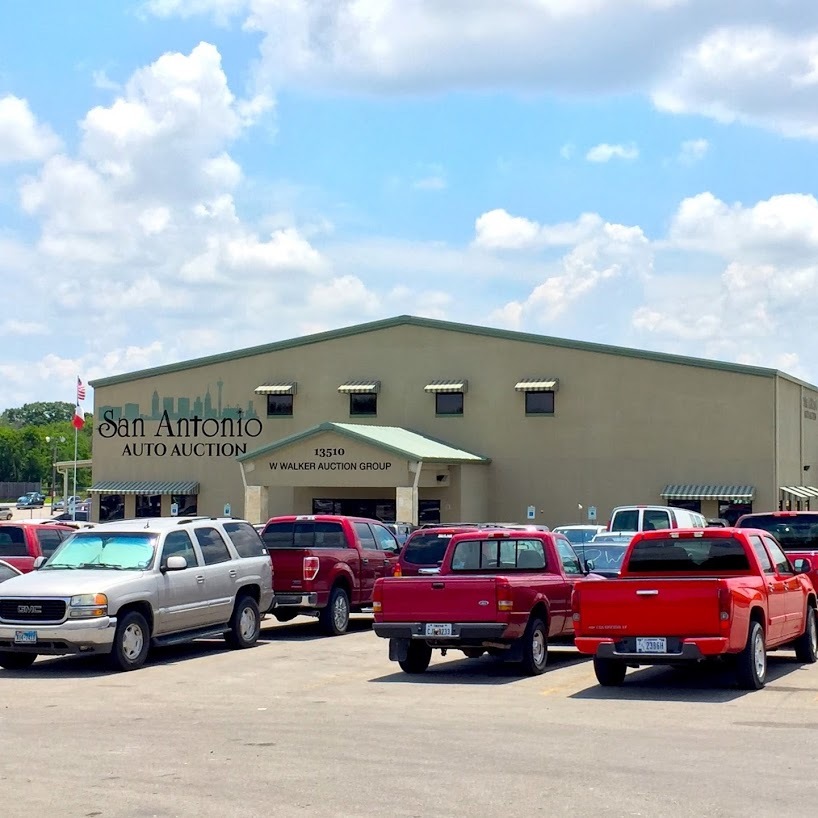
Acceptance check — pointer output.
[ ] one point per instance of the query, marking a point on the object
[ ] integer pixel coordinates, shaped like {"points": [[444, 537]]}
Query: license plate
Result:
{"points": [[654, 645], [25, 637], [438, 630]]}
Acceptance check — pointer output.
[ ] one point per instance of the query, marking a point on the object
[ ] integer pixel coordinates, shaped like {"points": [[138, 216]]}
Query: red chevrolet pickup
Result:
{"points": [[502, 591], [694, 594], [22, 542], [326, 565]]}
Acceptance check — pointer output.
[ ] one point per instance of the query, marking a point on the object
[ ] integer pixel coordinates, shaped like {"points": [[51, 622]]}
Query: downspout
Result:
{"points": [[777, 483], [415, 499], [244, 497]]}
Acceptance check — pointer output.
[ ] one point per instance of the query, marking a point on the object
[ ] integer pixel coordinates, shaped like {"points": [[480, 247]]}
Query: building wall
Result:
{"points": [[797, 434], [624, 427]]}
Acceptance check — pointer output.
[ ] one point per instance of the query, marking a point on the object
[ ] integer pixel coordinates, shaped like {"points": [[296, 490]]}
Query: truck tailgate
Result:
{"points": [[439, 599], [649, 607], [288, 568]]}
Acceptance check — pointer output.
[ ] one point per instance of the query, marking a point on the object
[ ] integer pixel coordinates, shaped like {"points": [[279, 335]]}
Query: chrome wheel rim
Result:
{"points": [[759, 655], [538, 648], [813, 631], [247, 623], [133, 640], [340, 613]]}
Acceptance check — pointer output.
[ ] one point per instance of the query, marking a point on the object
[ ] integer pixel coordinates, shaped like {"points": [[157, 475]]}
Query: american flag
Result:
{"points": [[80, 390]]}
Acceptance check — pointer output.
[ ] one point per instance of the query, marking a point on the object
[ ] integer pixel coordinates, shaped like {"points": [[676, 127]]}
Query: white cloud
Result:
{"points": [[430, 183], [22, 138], [567, 151], [499, 230], [693, 151], [605, 152]]}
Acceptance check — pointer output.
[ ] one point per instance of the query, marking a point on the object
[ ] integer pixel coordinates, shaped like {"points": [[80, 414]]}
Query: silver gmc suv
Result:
{"points": [[121, 587]]}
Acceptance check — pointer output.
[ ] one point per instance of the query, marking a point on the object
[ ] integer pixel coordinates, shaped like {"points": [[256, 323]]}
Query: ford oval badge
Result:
{"points": [[483, 602]]}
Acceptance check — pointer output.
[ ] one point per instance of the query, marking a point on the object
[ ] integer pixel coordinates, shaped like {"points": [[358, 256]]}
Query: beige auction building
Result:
{"points": [[412, 418]]}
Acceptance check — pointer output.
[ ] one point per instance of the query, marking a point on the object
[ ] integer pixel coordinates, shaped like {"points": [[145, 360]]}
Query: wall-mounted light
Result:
{"points": [[806, 468]]}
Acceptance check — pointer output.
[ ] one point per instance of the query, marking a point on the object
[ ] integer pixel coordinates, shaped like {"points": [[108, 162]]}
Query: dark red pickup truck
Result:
{"points": [[690, 595], [22, 542], [327, 565], [502, 591]]}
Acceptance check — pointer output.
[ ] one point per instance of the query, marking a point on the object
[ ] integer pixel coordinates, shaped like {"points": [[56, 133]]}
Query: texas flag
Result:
{"points": [[79, 419]]}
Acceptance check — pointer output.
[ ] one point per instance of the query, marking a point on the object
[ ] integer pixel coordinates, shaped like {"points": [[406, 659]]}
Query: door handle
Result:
{"points": [[438, 586], [771, 586], [200, 580], [365, 561], [232, 573]]}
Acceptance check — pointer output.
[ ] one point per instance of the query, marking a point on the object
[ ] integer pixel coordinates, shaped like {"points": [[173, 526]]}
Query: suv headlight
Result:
{"points": [[88, 606]]}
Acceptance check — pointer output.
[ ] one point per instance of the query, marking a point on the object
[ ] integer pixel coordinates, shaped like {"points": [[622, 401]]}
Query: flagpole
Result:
{"points": [[74, 493]]}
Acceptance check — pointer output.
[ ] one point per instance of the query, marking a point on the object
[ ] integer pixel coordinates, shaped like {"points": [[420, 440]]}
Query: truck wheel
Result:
{"points": [[535, 647], [473, 653], [16, 661], [245, 624], [806, 646], [751, 667], [131, 642], [417, 659], [285, 615], [334, 618], [609, 672]]}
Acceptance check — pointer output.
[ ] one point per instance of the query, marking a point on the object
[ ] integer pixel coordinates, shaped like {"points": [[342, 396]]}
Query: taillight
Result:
{"points": [[397, 572], [377, 597], [505, 601], [575, 604], [608, 526], [725, 604], [311, 565]]}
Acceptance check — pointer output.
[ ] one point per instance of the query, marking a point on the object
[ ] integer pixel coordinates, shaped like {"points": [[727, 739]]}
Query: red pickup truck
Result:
{"points": [[22, 542], [327, 565], [502, 591], [690, 595]]}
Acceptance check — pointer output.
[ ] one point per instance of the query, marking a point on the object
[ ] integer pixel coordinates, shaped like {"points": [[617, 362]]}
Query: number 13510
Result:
{"points": [[329, 452]]}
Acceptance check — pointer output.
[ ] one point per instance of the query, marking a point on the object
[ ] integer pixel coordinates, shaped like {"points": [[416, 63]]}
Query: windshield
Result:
{"points": [[131, 551], [578, 535], [604, 555], [700, 555], [426, 549], [798, 532]]}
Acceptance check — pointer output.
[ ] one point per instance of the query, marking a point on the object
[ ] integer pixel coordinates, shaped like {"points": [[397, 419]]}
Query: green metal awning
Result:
{"points": [[801, 492], [537, 385], [708, 492], [287, 388], [360, 387], [145, 487], [450, 385]]}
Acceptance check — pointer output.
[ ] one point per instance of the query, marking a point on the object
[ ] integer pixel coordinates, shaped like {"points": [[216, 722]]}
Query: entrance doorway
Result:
{"points": [[383, 510]]}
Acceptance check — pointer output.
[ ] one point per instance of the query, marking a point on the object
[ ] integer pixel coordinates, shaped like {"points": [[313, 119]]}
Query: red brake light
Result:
{"points": [[311, 566], [575, 604], [377, 597], [725, 604], [505, 600]]}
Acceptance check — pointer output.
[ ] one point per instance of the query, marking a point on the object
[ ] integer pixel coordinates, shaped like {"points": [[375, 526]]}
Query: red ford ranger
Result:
{"points": [[22, 542], [326, 565], [502, 591], [690, 595]]}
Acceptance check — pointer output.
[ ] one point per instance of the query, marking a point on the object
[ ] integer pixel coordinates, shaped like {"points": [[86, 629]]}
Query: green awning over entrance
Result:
{"points": [[699, 492], [145, 487]]}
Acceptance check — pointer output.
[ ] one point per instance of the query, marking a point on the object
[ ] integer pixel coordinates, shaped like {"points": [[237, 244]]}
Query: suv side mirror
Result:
{"points": [[39, 562], [802, 566], [176, 563]]}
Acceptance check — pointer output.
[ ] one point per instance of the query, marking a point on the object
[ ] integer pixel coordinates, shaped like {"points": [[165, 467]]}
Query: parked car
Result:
{"points": [[653, 518], [424, 550], [21, 542], [31, 500], [605, 552], [685, 596], [76, 516], [578, 534], [59, 505], [8, 571], [122, 587], [401, 531], [327, 564], [6, 513], [503, 591]]}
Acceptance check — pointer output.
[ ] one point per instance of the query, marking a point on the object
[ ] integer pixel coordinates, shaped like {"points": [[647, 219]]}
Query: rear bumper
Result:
{"points": [[95, 636], [692, 649], [461, 631], [284, 600]]}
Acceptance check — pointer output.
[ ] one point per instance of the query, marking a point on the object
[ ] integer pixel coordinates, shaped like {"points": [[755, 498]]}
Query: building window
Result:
{"points": [[148, 505], [690, 505], [111, 507], [448, 403], [539, 403], [187, 504], [363, 403], [279, 406]]}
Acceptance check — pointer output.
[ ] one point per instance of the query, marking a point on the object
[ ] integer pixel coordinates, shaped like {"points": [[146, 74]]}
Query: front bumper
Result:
{"points": [[461, 631], [285, 600], [80, 636]]}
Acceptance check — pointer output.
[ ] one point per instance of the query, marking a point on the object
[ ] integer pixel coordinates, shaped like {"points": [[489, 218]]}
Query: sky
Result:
{"points": [[185, 177]]}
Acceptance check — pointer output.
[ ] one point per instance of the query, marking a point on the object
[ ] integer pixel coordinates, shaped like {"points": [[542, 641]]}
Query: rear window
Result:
{"points": [[304, 535], [696, 555], [12, 542], [498, 555], [793, 533], [626, 520], [246, 540], [426, 549]]}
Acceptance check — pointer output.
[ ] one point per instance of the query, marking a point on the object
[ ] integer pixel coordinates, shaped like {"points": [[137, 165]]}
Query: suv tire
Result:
{"points": [[245, 624], [334, 619], [132, 641], [16, 661]]}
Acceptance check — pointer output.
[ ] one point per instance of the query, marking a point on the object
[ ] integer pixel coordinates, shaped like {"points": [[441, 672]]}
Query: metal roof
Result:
{"points": [[145, 487], [395, 439], [708, 492]]}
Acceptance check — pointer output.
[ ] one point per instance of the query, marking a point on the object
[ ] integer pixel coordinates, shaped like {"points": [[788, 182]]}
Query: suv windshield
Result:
{"points": [[132, 551], [426, 549], [798, 532], [700, 555]]}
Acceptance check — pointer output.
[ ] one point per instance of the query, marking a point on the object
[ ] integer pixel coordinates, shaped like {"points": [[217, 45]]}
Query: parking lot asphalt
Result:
{"points": [[307, 725]]}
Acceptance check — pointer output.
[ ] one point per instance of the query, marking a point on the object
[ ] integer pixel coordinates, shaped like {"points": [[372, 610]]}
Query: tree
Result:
{"points": [[37, 414]]}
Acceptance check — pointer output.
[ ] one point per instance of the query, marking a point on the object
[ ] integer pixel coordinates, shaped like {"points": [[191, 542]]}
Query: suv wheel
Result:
{"points": [[245, 624], [16, 661], [131, 642]]}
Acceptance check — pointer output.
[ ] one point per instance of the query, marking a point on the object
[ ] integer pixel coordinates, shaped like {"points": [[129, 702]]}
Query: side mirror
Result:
{"points": [[589, 566], [39, 562], [176, 564], [802, 566]]}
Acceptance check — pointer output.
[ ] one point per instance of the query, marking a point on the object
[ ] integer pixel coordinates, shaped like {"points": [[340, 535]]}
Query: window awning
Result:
{"points": [[145, 487], [451, 385], [537, 385], [276, 389], [360, 387], [697, 492], [801, 492]]}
